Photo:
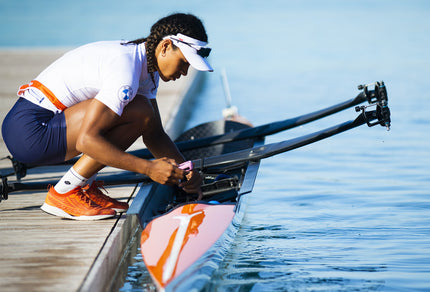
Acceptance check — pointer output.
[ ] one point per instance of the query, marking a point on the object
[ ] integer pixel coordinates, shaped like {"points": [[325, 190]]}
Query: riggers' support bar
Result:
{"points": [[377, 95], [269, 150], [124, 177], [252, 154], [260, 131], [381, 115]]}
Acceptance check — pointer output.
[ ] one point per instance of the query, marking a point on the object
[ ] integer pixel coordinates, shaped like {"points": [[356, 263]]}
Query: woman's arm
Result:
{"points": [[160, 145], [157, 140], [100, 126]]}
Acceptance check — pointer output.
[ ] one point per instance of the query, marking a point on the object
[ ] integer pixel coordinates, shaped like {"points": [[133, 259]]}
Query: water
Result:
{"points": [[350, 213]]}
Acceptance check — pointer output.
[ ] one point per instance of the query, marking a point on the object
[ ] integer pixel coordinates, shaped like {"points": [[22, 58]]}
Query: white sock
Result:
{"points": [[91, 179], [69, 181]]}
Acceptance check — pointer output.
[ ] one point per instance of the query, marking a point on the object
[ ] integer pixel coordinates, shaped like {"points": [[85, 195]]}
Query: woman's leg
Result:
{"points": [[34, 135], [135, 118], [129, 127]]}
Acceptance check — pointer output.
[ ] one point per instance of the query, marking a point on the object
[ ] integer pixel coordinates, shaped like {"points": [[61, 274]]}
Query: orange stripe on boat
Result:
{"points": [[173, 242], [48, 93]]}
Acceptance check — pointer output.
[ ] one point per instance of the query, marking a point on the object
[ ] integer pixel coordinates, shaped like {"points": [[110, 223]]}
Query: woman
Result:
{"points": [[97, 100]]}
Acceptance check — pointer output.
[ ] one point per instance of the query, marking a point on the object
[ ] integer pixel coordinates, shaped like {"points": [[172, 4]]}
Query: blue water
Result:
{"points": [[350, 213]]}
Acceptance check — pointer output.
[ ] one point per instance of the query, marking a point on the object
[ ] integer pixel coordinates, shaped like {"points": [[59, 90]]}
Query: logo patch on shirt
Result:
{"points": [[125, 93]]}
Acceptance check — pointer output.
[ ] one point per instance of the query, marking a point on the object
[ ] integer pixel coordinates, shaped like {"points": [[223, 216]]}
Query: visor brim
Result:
{"points": [[197, 62]]}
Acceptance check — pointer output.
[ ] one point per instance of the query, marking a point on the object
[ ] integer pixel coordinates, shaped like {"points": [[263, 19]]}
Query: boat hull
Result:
{"points": [[184, 240], [175, 241]]}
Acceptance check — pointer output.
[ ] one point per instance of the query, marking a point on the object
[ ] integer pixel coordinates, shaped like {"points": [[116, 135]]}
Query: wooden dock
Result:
{"points": [[39, 252]]}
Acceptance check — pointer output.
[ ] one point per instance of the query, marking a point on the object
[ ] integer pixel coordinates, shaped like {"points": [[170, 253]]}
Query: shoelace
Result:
{"points": [[86, 199], [97, 185]]}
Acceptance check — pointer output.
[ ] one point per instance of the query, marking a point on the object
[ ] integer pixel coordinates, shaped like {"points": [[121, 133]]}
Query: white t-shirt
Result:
{"points": [[108, 71]]}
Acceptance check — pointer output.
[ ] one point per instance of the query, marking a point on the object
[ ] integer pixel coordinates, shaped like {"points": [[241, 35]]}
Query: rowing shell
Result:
{"points": [[179, 236], [177, 245], [183, 240]]}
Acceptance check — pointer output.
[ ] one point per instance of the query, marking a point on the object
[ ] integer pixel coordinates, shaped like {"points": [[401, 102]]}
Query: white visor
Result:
{"points": [[194, 51]]}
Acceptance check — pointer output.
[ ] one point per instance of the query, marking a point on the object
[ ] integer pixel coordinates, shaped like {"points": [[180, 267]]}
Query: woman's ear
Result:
{"points": [[165, 46]]}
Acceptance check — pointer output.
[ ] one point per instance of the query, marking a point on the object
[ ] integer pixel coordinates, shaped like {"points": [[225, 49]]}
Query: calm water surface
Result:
{"points": [[351, 213]]}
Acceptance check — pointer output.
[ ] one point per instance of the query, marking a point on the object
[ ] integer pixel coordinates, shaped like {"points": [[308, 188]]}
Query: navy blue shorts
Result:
{"points": [[34, 135]]}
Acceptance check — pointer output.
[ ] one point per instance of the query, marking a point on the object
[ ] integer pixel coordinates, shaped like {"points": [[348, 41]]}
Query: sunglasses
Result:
{"points": [[202, 52]]}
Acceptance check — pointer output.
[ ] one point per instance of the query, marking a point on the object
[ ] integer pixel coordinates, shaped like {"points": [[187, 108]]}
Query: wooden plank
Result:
{"points": [[40, 252]]}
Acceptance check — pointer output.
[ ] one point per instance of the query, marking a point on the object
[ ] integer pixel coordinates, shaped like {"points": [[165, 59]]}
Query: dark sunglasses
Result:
{"points": [[204, 52]]}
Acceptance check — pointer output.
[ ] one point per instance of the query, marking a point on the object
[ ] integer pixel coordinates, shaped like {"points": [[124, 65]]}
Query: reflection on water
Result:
{"points": [[138, 277]]}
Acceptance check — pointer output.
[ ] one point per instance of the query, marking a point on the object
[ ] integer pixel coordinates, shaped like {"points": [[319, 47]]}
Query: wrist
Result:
{"points": [[146, 167]]}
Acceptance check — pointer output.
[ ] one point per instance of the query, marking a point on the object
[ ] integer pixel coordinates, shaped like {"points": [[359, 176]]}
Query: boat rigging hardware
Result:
{"points": [[381, 115], [5, 189], [376, 94], [372, 92], [19, 169], [220, 185], [219, 189]]}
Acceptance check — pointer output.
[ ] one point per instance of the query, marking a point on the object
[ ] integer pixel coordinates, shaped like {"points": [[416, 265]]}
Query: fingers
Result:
{"points": [[200, 193], [193, 183], [165, 171]]}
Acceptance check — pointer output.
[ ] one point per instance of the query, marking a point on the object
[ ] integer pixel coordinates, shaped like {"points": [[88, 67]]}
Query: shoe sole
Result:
{"points": [[119, 210], [60, 213]]}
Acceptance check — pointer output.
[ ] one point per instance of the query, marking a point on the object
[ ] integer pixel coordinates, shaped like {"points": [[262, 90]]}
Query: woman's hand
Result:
{"points": [[193, 183], [165, 171]]}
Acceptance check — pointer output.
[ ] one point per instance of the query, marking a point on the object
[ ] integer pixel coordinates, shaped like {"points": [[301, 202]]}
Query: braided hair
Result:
{"points": [[186, 24]]}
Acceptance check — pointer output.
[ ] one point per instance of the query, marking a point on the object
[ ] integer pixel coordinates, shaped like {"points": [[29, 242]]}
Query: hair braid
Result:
{"points": [[173, 24]]}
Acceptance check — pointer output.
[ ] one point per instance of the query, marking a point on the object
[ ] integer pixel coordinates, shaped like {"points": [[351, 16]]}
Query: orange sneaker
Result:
{"points": [[103, 200], [74, 205]]}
